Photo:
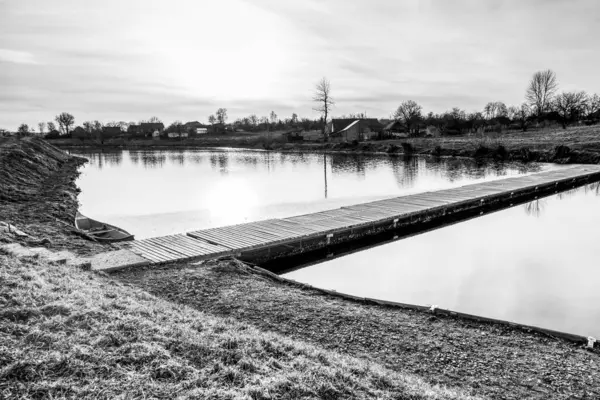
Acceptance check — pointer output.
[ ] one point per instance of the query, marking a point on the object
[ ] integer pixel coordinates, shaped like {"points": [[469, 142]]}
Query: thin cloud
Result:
{"points": [[17, 57]]}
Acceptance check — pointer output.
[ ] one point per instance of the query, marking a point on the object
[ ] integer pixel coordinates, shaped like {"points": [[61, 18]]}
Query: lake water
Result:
{"points": [[533, 264]]}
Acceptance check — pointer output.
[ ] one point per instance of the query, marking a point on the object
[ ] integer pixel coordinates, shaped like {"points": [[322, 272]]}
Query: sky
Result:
{"points": [[128, 60]]}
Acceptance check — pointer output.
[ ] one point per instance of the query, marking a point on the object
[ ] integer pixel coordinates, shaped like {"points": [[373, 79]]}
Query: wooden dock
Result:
{"points": [[282, 237]]}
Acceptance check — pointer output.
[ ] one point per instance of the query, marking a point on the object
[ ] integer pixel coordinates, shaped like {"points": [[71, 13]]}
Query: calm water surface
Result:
{"points": [[154, 193], [534, 264]]}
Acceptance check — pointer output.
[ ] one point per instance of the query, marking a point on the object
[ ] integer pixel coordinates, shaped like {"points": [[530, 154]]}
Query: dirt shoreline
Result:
{"points": [[480, 358]]}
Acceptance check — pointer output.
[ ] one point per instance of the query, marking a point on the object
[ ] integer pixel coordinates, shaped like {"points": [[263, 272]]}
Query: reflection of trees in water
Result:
{"points": [[177, 157], [568, 193], [535, 208], [348, 163], [134, 157], [220, 161], [592, 188], [405, 169], [196, 158], [106, 158], [153, 159]]}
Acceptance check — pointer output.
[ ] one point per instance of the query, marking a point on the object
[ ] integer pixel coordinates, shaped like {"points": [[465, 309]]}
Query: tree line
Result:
{"points": [[542, 104]]}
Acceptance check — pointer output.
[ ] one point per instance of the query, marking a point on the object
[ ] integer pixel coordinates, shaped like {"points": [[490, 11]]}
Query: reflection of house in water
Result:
{"points": [[348, 163]]}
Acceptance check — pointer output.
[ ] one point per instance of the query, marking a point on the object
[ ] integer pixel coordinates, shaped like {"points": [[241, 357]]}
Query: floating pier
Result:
{"points": [[267, 240]]}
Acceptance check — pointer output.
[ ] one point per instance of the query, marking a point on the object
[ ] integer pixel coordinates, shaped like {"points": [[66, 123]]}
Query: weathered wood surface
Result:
{"points": [[263, 235]]}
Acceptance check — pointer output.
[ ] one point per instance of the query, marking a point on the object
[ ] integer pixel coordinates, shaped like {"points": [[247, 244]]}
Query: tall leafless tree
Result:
{"points": [[325, 102], [542, 87], [409, 113], [65, 121], [51, 126]]}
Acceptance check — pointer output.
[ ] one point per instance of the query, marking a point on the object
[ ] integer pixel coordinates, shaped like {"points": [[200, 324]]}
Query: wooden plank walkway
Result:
{"points": [[327, 225]]}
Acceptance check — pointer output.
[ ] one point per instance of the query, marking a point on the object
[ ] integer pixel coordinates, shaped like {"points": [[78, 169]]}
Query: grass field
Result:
{"points": [[67, 333]]}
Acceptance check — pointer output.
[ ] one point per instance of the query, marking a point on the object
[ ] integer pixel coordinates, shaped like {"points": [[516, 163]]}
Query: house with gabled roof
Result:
{"points": [[350, 129]]}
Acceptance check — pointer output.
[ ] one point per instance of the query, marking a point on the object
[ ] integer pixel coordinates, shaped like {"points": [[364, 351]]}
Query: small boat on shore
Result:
{"points": [[101, 231]]}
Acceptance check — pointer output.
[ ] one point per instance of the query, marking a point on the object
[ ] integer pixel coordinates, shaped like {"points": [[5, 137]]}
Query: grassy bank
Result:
{"points": [[38, 194], [572, 145], [75, 334], [483, 359]]}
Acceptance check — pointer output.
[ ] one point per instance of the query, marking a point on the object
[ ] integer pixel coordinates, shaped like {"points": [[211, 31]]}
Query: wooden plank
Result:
{"points": [[161, 248], [146, 248]]}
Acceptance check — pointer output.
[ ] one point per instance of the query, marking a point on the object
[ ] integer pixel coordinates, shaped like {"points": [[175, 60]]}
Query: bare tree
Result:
{"points": [[409, 113], [42, 128], [570, 106], [65, 121], [154, 120], [253, 119], [520, 115], [593, 106], [212, 120], [495, 109], [273, 117], [542, 87], [222, 115], [324, 100], [51, 126]]}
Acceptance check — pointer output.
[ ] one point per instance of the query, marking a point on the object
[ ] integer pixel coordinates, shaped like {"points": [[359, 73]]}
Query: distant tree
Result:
{"points": [[325, 102], [65, 122], [42, 128], [51, 127], [176, 127], [97, 125], [273, 117], [542, 87], [88, 126], [212, 120], [253, 120], [222, 115], [23, 130], [495, 109], [154, 120], [593, 106], [520, 115], [570, 106], [113, 124], [294, 119], [409, 114]]}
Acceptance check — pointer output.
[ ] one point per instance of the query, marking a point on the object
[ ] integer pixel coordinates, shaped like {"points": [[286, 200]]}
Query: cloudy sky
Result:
{"points": [[182, 59]]}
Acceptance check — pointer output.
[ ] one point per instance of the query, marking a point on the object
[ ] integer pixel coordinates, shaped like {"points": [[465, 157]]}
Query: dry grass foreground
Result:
{"points": [[483, 359], [75, 334]]}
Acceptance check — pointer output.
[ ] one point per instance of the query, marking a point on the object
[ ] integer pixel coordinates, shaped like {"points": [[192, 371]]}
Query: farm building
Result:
{"points": [[348, 130]]}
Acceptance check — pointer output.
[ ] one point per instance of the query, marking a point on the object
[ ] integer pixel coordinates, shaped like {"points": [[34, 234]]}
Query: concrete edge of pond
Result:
{"points": [[589, 341]]}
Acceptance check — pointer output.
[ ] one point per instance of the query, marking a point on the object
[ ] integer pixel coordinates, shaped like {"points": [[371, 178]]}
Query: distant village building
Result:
{"points": [[111, 131], [196, 128], [348, 130], [146, 129]]}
